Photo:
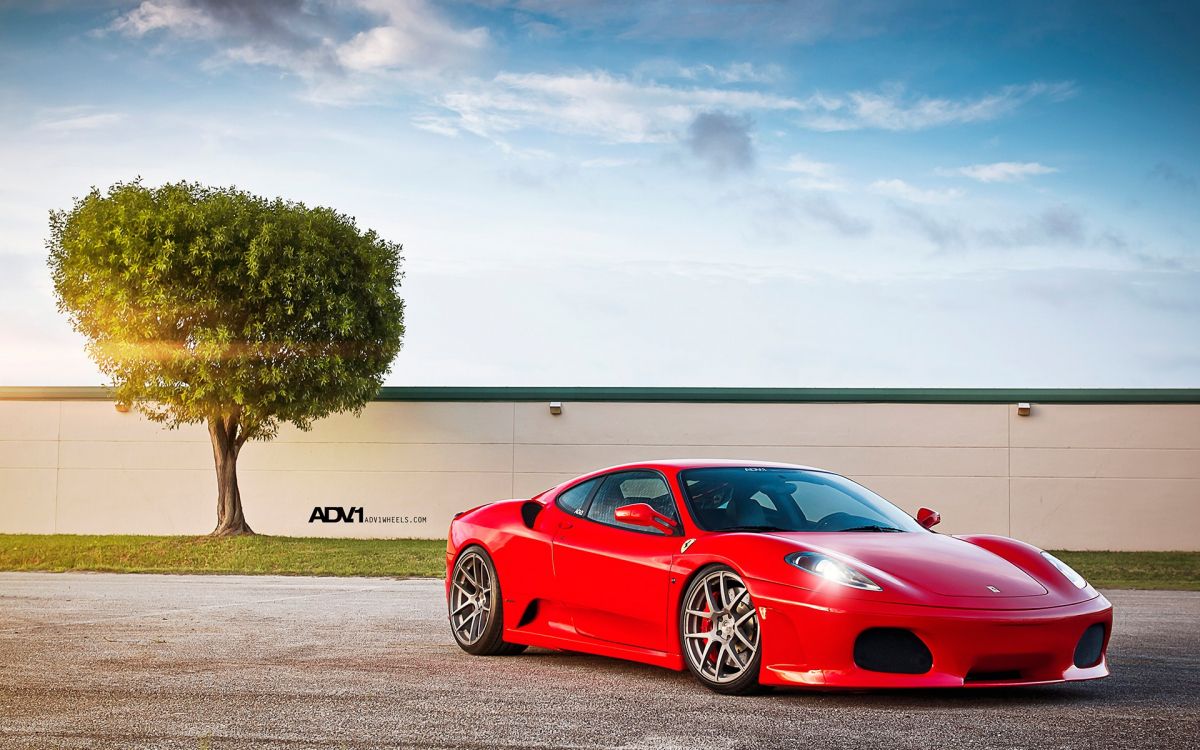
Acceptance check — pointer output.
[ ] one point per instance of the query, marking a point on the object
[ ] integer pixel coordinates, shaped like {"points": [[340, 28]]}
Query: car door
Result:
{"points": [[614, 577]]}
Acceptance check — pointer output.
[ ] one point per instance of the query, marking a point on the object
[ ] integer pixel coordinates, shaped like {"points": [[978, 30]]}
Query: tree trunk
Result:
{"points": [[226, 444]]}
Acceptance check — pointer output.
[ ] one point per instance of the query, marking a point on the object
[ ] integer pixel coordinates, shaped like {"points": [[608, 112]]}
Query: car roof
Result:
{"points": [[678, 464], [704, 463]]}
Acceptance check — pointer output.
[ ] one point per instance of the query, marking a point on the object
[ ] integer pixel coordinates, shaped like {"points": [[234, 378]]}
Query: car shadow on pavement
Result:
{"points": [[1116, 689], [1034, 695]]}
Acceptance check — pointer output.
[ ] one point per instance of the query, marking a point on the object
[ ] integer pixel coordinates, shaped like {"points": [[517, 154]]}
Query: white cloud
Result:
{"points": [[902, 190], [892, 110], [76, 122], [341, 60], [810, 174], [414, 36], [734, 72], [625, 110], [316, 40], [598, 104], [1002, 171], [177, 16], [436, 124], [801, 164]]}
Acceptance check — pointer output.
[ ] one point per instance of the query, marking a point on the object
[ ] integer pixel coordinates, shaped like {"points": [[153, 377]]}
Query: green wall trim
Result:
{"points": [[712, 395], [799, 395]]}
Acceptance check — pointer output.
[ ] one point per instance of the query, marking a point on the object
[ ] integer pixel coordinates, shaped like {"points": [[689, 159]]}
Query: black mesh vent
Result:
{"points": [[1087, 652], [892, 650]]}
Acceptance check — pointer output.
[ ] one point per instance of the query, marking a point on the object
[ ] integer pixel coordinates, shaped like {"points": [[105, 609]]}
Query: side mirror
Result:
{"points": [[641, 514], [928, 518]]}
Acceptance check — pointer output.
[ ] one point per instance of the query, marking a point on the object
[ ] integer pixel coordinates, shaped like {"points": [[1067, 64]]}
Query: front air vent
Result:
{"points": [[892, 650], [1090, 647]]}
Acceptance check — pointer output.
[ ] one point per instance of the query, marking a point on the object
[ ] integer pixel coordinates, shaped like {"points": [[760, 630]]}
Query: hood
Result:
{"points": [[934, 563]]}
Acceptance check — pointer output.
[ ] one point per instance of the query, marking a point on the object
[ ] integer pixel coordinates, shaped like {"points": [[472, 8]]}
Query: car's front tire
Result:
{"points": [[476, 607], [719, 632]]}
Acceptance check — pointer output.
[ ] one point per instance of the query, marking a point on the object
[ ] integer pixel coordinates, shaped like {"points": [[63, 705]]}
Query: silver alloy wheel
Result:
{"points": [[720, 627], [470, 598]]}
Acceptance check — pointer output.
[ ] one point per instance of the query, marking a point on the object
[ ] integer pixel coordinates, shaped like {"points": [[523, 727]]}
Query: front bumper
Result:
{"points": [[811, 644]]}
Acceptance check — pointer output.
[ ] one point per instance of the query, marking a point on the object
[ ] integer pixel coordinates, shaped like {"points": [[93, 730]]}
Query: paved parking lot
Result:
{"points": [[141, 661]]}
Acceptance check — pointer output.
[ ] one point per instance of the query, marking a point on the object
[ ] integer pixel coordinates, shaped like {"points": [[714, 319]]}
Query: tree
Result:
{"points": [[214, 306]]}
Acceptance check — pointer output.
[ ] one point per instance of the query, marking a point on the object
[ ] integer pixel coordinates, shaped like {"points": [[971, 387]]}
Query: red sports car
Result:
{"points": [[752, 574]]}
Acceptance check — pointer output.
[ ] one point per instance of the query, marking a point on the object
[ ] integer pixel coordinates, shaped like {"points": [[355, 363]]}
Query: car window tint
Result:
{"points": [[572, 500], [786, 499], [628, 488]]}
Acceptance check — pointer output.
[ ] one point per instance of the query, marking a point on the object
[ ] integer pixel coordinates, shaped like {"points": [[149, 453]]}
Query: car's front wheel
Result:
{"points": [[476, 608], [718, 628]]}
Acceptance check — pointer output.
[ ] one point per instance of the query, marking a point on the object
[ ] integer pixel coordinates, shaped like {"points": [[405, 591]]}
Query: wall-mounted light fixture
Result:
{"points": [[1024, 408], [556, 408], [121, 407]]}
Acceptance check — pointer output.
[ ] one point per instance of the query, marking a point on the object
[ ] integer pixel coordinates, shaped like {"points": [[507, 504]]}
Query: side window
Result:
{"points": [[631, 487], [572, 500]]}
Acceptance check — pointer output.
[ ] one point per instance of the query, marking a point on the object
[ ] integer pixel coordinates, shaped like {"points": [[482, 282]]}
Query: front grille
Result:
{"points": [[1091, 644], [892, 650]]}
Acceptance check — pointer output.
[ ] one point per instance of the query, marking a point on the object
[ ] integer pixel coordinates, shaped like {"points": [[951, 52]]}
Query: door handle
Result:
{"points": [[565, 525]]}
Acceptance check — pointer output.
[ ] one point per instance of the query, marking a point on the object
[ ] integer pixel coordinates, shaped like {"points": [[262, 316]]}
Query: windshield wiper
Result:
{"points": [[871, 527]]}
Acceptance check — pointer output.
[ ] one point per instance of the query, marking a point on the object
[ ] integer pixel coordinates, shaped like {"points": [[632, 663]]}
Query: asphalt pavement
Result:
{"points": [[222, 662]]}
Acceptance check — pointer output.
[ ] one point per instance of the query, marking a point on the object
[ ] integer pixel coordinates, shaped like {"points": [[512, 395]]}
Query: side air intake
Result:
{"points": [[530, 510]]}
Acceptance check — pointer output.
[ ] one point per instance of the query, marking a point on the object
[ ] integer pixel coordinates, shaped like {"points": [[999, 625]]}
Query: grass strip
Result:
{"points": [[400, 558]]}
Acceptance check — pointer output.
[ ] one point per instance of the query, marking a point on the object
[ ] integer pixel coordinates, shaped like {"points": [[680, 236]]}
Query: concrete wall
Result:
{"points": [[1076, 476]]}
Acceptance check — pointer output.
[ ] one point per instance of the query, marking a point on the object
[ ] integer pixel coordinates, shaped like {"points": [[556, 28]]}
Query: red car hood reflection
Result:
{"points": [[935, 563]]}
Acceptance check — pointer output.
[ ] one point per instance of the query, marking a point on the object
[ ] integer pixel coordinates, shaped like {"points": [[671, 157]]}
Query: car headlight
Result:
{"points": [[830, 569], [1066, 570]]}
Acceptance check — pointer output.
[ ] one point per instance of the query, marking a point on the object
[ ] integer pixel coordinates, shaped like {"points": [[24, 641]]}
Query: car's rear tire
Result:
{"points": [[476, 607], [719, 632]]}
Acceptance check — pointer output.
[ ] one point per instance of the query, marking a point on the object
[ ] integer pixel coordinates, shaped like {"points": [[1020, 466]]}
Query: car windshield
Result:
{"points": [[754, 498]]}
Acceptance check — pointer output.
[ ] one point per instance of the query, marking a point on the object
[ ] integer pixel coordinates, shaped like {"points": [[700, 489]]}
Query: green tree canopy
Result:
{"points": [[216, 306]]}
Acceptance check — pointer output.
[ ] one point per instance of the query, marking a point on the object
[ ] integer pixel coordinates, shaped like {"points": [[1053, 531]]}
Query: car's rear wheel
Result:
{"points": [[476, 608], [718, 627]]}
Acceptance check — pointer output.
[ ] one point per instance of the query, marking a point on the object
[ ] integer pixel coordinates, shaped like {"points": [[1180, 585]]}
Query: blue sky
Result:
{"points": [[705, 193]]}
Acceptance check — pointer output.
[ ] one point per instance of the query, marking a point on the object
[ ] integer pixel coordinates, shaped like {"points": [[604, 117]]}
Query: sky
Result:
{"points": [[803, 194]]}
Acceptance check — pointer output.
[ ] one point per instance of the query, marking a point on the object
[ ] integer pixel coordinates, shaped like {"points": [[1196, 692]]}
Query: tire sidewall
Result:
{"points": [[489, 641]]}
